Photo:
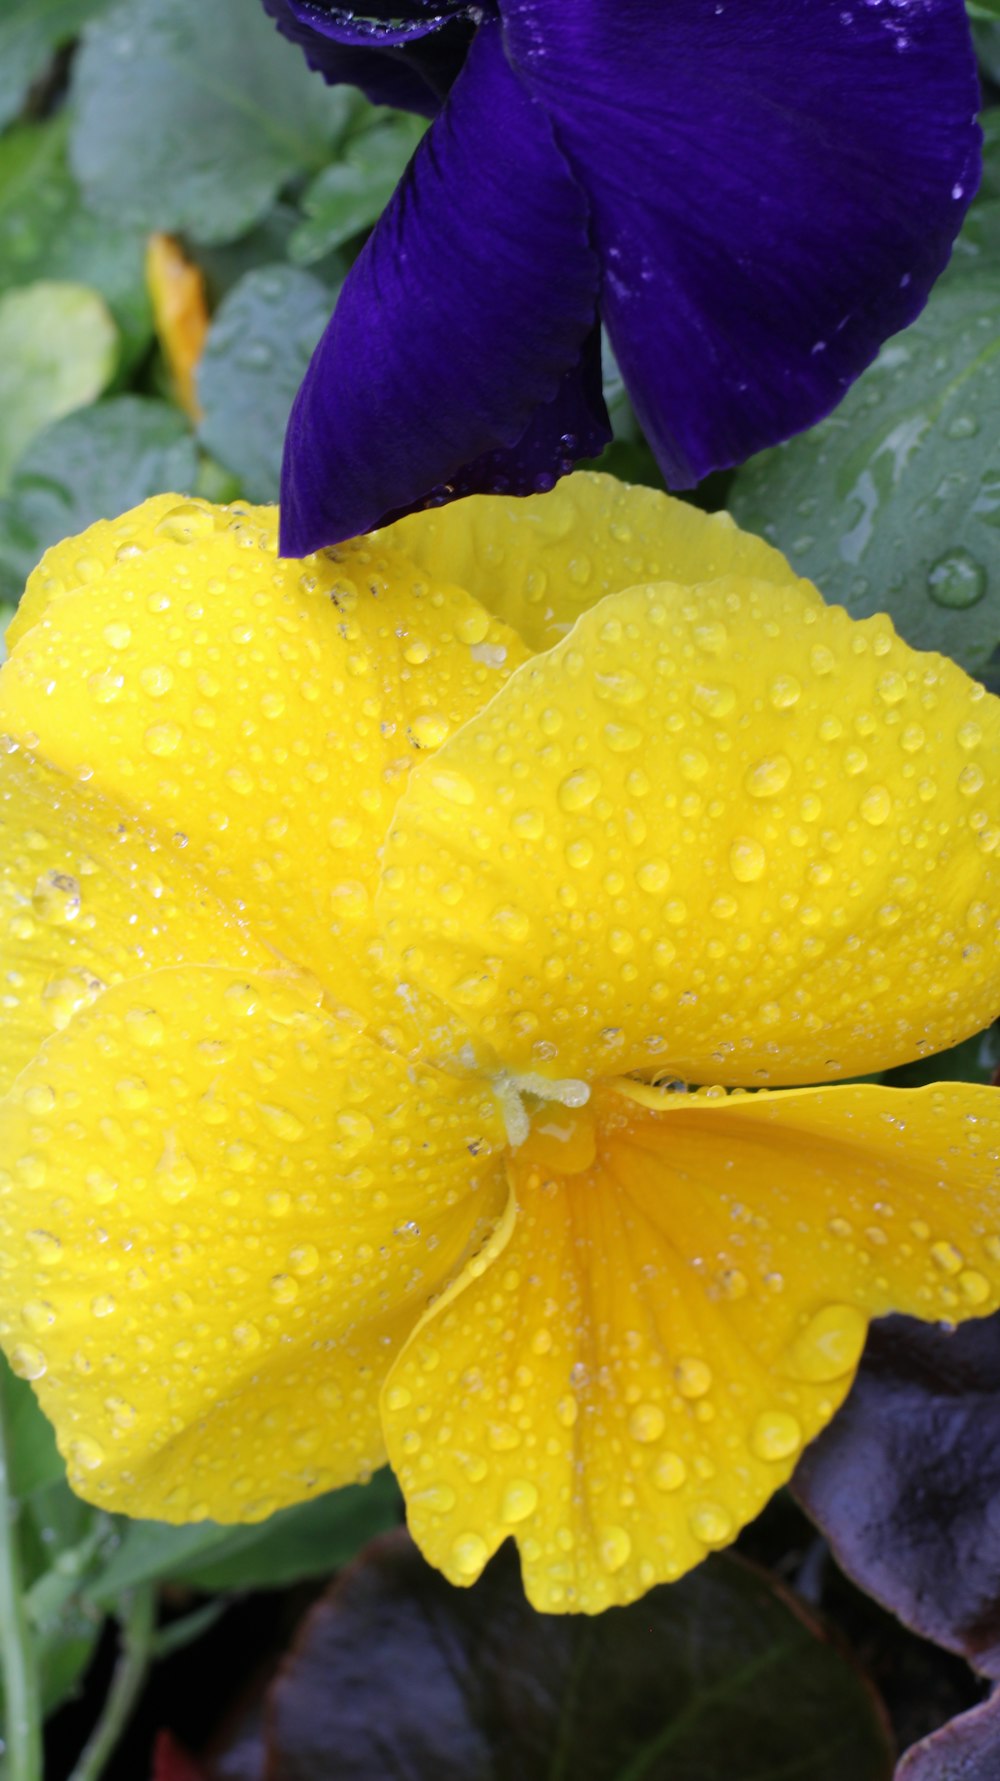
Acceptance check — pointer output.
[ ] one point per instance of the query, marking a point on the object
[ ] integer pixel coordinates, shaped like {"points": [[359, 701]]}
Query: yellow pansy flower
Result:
{"points": [[362, 920]]}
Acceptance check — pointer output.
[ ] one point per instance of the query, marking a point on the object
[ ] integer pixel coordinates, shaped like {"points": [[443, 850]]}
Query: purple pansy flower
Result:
{"points": [[750, 194]]}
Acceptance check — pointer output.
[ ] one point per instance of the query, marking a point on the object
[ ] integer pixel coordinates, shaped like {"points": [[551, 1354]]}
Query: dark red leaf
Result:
{"points": [[905, 1483], [172, 1763], [396, 1674], [968, 1749]]}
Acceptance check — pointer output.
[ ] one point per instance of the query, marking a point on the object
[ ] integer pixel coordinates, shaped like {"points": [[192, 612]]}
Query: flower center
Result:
{"points": [[544, 1119]]}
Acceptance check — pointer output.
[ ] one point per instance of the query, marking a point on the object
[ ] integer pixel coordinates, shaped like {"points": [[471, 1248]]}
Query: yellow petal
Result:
{"points": [[180, 311], [221, 1213], [541, 561], [724, 831], [87, 900], [260, 713], [636, 1369], [79, 561]]}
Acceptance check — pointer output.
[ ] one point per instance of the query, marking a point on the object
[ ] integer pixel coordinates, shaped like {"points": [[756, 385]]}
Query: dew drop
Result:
{"points": [[186, 523], [768, 777], [957, 579], [56, 897], [714, 701], [646, 1423], [776, 1435], [669, 1472], [693, 1377], [520, 1499], [974, 1287], [163, 739], [156, 681], [614, 1547], [784, 692], [711, 1524], [429, 729], [46, 1247], [946, 1257], [830, 1345], [578, 790], [653, 876], [876, 806], [27, 1361], [747, 859], [86, 1454], [469, 1555], [454, 787], [144, 1027]]}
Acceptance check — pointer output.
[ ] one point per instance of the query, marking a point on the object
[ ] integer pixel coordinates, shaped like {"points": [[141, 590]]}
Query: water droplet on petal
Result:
{"points": [[747, 859], [830, 1345], [578, 790], [876, 806], [56, 897], [646, 1423], [693, 1376], [767, 777], [712, 1524], [614, 1547], [520, 1499], [670, 1472], [469, 1555], [27, 1361], [776, 1435]]}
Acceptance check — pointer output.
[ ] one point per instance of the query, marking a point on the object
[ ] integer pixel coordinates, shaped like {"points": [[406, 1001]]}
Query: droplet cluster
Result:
{"points": [[742, 863]]}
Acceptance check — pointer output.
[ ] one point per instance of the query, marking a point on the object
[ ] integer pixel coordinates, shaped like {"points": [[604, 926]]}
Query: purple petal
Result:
{"points": [[466, 312], [411, 69], [573, 425], [774, 186]]}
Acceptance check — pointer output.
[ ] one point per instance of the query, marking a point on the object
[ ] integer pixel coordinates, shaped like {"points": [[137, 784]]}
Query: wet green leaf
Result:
{"points": [[306, 1541], [47, 232], [58, 351], [30, 30], [893, 503], [987, 40], [92, 465], [258, 347], [34, 1459], [351, 194], [192, 116]]}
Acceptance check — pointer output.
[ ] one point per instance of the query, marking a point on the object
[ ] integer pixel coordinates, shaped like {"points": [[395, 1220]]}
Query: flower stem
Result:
{"points": [[138, 1624], [23, 1730]]}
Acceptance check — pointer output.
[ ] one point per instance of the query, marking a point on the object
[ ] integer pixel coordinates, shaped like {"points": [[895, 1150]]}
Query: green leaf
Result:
{"points": [[974, 1060], [258, 347], [987, 40], [308, 1540], [92, 465], [983, 9], [350, 195], [47, 232], [30, 30], [58, 349], [990, 187], [893, 503], [192, 116], [34, 1457]]}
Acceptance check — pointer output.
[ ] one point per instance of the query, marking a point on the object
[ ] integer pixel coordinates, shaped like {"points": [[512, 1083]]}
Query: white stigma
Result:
{"points": [[510, 1089]]}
